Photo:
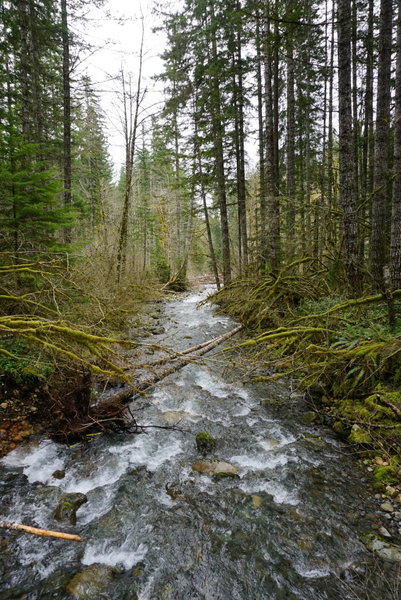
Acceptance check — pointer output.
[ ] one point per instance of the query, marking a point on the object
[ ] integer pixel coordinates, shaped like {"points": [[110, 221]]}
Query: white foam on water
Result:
{"points": [[242, 412], [208, 382], [126, 554], [104, 475], [260, 462], [277, 440], [278, 492], [38, 461], [147, 452], [312, 573]]}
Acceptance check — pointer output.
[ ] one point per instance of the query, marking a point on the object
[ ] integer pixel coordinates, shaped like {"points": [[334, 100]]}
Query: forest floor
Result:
{"points": [[29, 404], [343, 353]]}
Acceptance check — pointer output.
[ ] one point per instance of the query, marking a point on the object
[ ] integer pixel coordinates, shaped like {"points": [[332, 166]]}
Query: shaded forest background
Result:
{"points": [[312, 89]]}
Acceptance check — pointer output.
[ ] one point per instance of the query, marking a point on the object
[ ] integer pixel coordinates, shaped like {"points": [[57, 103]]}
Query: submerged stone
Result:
{"points": [[172, 417], [215, 467], [205, 442], [59, 474], [92, 583], [68, 505]]}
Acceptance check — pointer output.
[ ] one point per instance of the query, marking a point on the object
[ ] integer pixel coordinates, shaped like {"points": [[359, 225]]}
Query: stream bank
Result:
{"points": [[288, 526]]}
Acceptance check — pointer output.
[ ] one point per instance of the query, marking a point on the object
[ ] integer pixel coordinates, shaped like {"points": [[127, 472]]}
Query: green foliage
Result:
{"points": [[31, 212], [22, 363]]}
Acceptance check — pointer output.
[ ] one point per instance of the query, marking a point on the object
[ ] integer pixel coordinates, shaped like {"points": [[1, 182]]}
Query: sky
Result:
{"points": [[114, 34]]}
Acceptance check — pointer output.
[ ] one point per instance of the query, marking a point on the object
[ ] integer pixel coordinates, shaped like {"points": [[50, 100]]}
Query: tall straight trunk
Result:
{"points": [[67, 164], [241, 153], [378, 250], [209, 233], [218, 134], [367, 149], [262, 177], [319, 239], [25, 103], [346, 151], [395, 249], [308, 183], [37, 100], [331, 227], [130, 126], [178, 208], [290, 175], [11, 155], [270, 155], [355, 121]]}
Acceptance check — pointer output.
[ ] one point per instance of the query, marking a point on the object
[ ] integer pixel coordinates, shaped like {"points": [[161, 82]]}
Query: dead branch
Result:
{"points": [[42, 532]]}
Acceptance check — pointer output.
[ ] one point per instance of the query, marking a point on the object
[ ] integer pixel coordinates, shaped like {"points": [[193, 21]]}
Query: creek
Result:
{"points": [[288, 527]]}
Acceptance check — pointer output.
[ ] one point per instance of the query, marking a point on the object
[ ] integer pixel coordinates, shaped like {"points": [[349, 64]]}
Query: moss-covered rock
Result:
{"points": [[92, 583], [67, 507], [359, 435], [215, 467], [381, 547], [205, 442], [311, 418]]}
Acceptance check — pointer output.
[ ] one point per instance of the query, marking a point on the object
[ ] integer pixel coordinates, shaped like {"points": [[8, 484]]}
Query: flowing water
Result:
{"points": [[287, 528]]}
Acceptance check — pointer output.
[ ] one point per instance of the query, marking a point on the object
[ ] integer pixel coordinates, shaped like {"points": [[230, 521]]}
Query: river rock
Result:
{"points": [[92, 583], [59, 474], [205, 442], [387, 507], [383, 532], [68, 505], [310, 418], [215, 467], [158, 330], [172, 417], [382, 548]]}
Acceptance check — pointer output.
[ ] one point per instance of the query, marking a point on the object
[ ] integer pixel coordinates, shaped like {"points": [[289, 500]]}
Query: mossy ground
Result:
{"points": [[301, 329]]}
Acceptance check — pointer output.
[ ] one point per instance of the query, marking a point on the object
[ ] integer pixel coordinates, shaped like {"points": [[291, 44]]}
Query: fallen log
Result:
{"points": [[42, 532], [125, 394], [161, 361], [78, 418]]}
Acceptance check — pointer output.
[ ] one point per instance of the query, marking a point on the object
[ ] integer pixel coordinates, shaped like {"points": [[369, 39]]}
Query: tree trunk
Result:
{"points": [[290, 175], [346, 152], [218, 134], [270, 154], [379, 204], [395, 249], [67, 168], [262, 178], [367, 150]]}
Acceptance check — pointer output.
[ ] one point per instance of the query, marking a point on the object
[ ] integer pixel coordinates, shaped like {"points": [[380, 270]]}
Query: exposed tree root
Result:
{"points": [[75, 416]]}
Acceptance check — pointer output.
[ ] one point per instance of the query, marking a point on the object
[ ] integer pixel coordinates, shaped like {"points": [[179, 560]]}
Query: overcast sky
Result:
{"points": [[114, 31]]}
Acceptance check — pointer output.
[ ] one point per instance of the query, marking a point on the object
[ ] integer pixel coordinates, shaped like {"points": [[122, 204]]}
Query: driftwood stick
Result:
{"points": [[43, 532]]}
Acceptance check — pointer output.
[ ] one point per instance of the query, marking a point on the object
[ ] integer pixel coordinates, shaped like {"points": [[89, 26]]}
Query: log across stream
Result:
{"points": [[287, 524]]}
